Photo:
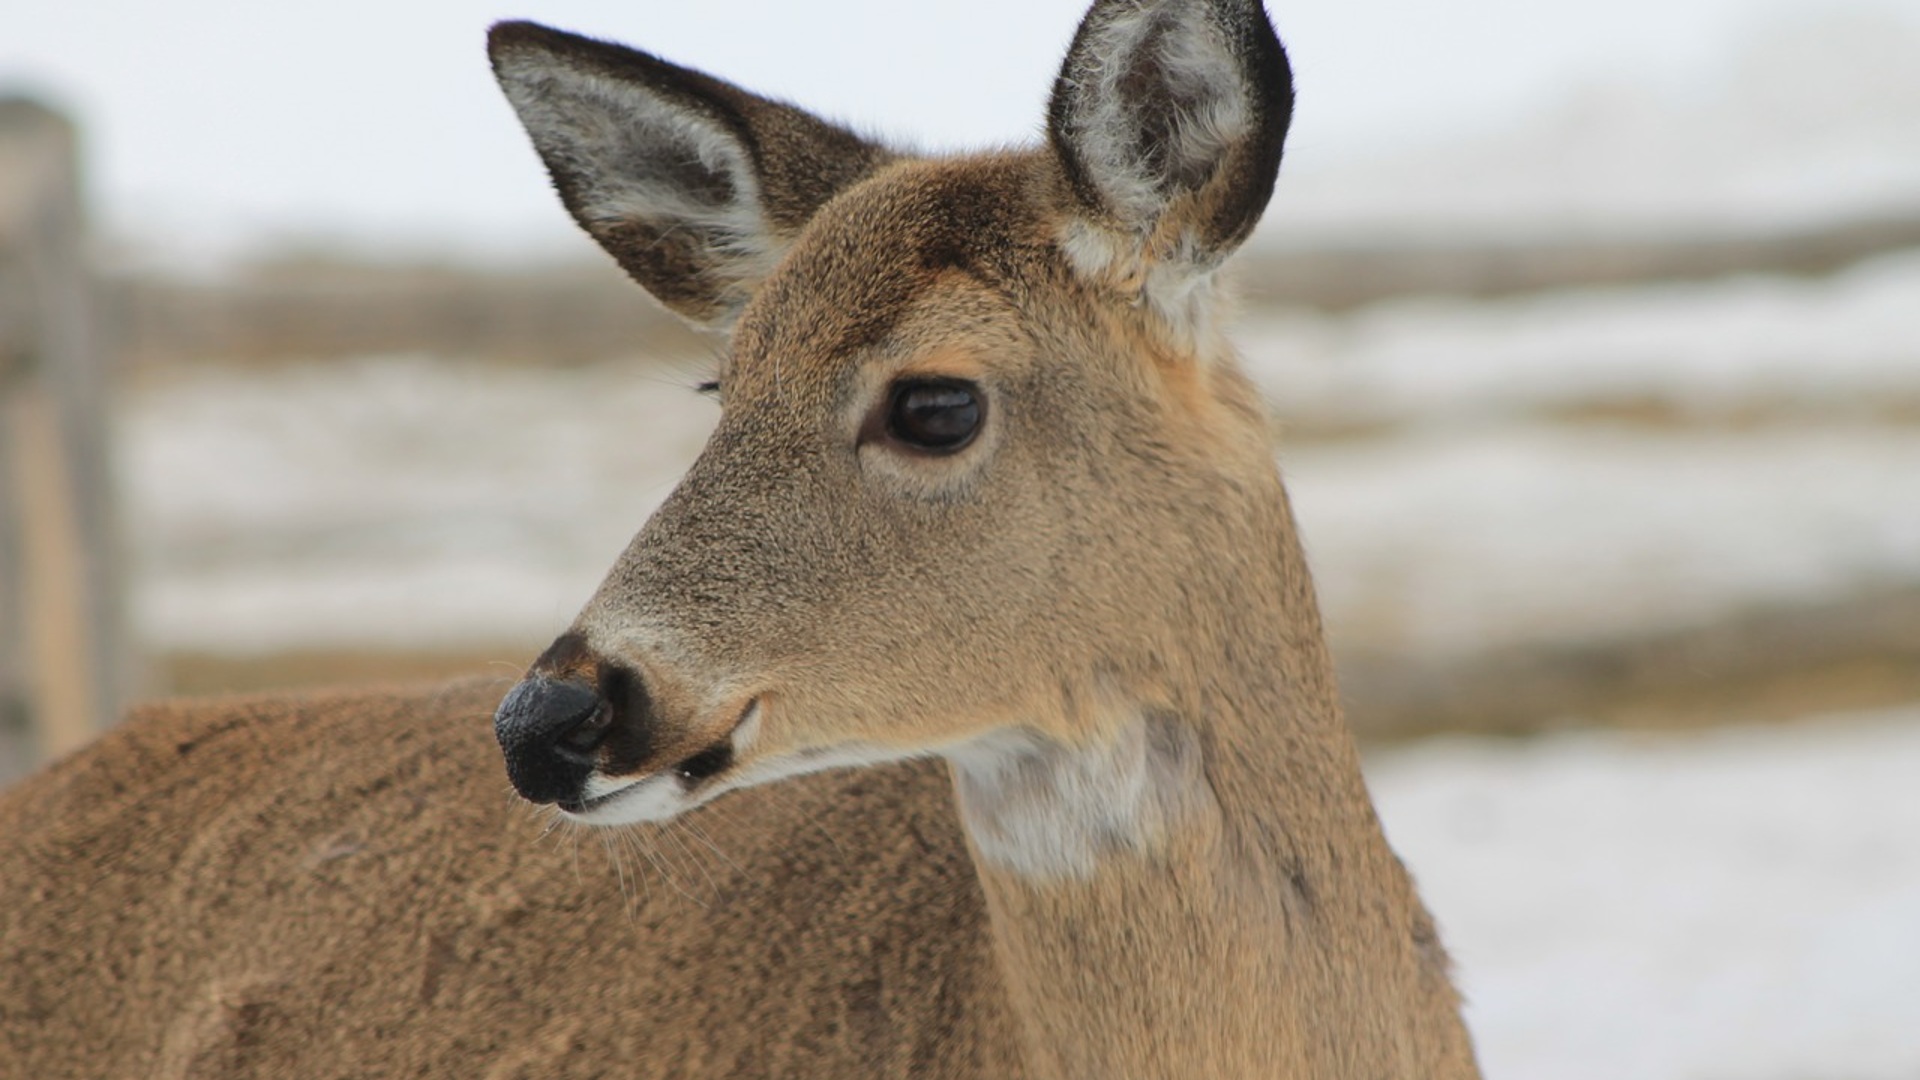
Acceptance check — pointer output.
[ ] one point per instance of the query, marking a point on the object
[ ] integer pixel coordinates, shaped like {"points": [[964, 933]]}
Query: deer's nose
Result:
{"points": [[549, 730]]}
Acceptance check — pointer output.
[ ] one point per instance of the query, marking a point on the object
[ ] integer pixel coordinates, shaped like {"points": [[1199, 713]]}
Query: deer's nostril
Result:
{"points": [[586, 736], [542, 709]]}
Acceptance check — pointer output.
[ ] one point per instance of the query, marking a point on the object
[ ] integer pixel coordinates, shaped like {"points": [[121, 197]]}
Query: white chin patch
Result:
{"points": [[627, 802]]}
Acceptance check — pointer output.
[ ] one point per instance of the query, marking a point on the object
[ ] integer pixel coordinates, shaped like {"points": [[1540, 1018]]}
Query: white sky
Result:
{"points": [[216, 123]]}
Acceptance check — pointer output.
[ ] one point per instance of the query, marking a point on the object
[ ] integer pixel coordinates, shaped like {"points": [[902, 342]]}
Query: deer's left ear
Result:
{"points": [[1168, 119]]}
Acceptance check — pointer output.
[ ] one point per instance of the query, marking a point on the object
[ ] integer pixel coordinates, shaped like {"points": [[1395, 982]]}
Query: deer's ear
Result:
{"points": [[692, 184], [1168, 119]]}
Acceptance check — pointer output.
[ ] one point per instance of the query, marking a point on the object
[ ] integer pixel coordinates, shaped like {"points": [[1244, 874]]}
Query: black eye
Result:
{"points": [[938, 416]]}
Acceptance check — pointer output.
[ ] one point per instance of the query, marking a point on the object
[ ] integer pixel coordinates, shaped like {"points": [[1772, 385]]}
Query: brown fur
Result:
{"points": [[344, 886], [1164, 861]]}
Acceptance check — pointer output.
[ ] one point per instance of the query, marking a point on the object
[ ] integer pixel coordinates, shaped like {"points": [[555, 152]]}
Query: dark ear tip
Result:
{"points": [[542, 45], [514, 35], [1278, 73]]}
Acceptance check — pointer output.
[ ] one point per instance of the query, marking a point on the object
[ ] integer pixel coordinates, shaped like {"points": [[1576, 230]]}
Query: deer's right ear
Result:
{"points": [[692, 184], [1168, 120]]}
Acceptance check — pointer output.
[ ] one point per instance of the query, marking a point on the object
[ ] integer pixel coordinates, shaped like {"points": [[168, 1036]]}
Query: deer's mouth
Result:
{"points": [[706, 764], [734, 762], [663, 794]]}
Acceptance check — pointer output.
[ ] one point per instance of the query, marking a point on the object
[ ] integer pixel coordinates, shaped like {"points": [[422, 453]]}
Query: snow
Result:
{"points": [[1740, 903], [1468, 540], [390, 500], [1848, 343]]}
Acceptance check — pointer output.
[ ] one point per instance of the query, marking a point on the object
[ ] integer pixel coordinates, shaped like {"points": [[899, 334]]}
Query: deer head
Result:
{"points": [[983, 465]]}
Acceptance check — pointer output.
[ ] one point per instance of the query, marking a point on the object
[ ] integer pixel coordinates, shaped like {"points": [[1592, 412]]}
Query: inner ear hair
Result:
{"points": [[692, 184], [1168, 119]]}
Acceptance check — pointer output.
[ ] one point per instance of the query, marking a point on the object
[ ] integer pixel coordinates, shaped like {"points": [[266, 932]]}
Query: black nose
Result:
{"points": [[548, 730]]}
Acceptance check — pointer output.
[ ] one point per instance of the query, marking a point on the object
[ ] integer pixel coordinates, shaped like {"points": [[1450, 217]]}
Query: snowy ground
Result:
{"points": [[1447, 544], [1741, 904], [1842, 347]]}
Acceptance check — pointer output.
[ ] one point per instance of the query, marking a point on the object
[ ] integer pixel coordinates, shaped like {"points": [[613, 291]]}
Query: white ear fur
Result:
{"points": [[632, 155], [1168, 118], [1136, 159], [694, 185], [1177, 284], [639, 155]]}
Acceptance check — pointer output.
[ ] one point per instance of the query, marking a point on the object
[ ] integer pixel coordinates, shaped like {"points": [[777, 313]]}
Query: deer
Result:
{"points": [[974, 667]]}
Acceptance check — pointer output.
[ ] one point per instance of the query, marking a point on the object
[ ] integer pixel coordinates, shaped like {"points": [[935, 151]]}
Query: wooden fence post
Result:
{"points": [[64, 662]]}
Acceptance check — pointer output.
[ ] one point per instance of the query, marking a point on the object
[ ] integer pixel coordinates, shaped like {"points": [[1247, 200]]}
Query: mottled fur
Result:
{"points": [[1163, 861]]}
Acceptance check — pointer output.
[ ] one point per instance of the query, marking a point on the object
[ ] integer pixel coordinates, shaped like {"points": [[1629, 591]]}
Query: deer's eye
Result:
{"points": [[935, 416]]}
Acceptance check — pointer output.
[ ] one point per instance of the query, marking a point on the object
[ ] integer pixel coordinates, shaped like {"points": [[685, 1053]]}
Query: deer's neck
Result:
{"points": [[1204, 889]]}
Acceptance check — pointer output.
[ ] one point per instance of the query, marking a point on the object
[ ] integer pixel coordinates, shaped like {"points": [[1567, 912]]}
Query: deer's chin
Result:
{"points": [[628, 801]]}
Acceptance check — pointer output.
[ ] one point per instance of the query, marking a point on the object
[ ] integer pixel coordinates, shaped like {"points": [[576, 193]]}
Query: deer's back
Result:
{"points": [[345, 886]]}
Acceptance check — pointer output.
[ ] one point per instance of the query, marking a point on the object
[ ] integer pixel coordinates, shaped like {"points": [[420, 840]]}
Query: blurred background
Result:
{"points": [[1592, 334]]}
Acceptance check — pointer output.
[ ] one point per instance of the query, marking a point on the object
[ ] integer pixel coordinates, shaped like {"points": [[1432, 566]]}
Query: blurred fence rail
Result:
{"points": [[305, 308], [295, 308], [1773, 662], [1340, 277], [1763, 664], [63, 657]]}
